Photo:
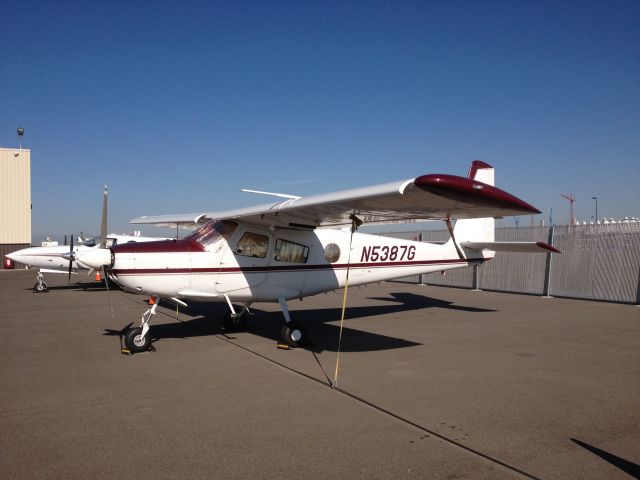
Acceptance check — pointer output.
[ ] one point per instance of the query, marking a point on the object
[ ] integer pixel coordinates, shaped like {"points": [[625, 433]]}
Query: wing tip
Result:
{"points": [[471, 191]]}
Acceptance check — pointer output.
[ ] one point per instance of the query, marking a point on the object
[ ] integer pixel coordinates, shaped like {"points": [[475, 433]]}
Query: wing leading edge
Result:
{"points": [[429, 197]]}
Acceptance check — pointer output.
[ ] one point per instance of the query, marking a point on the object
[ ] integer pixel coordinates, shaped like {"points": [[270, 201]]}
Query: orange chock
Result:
{"points": [[98, 276], [151, 301]]}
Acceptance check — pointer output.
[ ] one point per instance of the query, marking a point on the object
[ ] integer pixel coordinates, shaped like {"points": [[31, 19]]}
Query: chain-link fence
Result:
{"points": [[598, 262]]}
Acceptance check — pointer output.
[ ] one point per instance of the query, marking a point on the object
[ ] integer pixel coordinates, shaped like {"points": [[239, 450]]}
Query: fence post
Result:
{"points": [[547, 271], [476, 282]]}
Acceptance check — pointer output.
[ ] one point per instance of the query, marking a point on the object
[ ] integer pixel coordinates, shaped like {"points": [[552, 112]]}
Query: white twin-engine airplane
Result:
{"points": [[57, 259], [64, 259], [278, 252]]}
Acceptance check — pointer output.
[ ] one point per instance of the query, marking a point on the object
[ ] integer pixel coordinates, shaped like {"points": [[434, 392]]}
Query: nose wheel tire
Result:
{"points": [[135, 342], [294, 334], [40, 287]]}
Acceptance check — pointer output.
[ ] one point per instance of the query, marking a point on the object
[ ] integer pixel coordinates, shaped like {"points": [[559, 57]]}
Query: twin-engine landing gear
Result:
{"points": [[40, 286]]}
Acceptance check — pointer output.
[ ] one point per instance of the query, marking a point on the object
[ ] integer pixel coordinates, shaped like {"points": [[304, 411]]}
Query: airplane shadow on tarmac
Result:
{"points": [[626, 466], [206, 319]]}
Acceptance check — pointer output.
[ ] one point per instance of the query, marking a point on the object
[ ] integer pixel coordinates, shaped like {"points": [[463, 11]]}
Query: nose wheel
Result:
{"points": [[135, 341], [40, 286], [138, 339]]}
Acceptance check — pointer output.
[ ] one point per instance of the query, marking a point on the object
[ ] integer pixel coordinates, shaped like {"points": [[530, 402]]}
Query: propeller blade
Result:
{"points": [[103, 225], [70, 257]]}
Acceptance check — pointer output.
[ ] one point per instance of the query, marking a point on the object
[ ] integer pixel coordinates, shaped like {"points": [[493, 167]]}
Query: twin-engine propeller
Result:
{"points": [[71, 256], [100, 257]]}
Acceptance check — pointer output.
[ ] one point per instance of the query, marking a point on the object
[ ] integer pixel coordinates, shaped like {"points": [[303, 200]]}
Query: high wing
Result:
{"points": [[428, 197]]}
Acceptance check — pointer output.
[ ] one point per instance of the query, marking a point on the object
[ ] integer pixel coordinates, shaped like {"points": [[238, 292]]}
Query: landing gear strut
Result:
{"points": [[293, 333], [235, 321], [137, 339], [40, 286]]}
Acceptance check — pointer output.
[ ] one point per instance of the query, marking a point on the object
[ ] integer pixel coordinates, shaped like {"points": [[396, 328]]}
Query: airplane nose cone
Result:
{"points": [[11, 256], [96, 258]]}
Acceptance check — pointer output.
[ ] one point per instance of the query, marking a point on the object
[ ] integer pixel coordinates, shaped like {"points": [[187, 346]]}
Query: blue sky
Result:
{"points": [[178, 105]]}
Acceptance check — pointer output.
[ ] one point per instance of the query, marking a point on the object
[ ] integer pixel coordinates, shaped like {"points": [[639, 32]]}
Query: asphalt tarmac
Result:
{"points": [[433, 382]]}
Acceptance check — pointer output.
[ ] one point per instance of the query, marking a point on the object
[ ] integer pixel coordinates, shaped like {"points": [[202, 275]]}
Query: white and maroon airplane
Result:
{"points": [[302, 246]]}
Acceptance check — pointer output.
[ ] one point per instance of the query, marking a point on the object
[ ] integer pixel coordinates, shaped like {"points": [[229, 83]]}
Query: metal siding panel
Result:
{"points": [[15, 196]]}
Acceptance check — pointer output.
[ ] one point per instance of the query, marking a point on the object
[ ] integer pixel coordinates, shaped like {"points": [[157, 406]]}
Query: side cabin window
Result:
{"points": [[252, 245], [287, 251]]}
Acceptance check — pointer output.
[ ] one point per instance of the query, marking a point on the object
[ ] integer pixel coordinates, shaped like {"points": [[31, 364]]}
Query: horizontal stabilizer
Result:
{"points": [[523, 247]]}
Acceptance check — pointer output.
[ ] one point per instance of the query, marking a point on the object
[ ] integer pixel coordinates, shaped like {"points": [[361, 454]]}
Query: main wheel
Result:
{"points": [[294, 334], [235, 323], [135, 342]]}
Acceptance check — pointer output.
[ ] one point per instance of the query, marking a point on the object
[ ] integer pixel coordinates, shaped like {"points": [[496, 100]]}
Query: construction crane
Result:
{"points": [[571, 198]]}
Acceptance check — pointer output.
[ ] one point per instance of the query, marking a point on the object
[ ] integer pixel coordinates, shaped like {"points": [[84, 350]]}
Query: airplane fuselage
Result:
{"points": [[258, 264]]}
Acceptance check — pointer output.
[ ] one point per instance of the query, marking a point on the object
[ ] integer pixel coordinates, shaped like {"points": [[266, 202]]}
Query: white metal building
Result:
{"points": [[15, 199]]}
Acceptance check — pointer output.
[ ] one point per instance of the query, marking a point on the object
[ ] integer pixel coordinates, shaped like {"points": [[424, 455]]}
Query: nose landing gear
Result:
{"points": [[137, 339], [40, 286]]}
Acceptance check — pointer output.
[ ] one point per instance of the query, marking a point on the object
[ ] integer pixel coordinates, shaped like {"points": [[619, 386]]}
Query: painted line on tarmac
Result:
{"points": [[380, 409]]}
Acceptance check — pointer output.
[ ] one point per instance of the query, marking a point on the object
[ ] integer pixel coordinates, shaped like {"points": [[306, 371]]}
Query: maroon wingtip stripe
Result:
{"points": [[546, 246], [470, 191], [477, 165], [160, 246]]}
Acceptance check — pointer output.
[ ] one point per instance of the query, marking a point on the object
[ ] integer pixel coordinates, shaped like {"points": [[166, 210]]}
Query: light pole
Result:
{"points": [[596, 199], [20, 131]]}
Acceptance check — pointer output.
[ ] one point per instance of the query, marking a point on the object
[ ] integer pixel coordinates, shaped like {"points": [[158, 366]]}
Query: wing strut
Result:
{"points": [[453, 238]]}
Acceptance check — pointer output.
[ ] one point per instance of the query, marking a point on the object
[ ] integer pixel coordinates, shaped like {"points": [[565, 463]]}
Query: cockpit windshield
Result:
{"points": [[214, 230]]}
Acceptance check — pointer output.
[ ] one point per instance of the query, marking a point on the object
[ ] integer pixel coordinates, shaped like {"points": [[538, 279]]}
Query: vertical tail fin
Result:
{"points": [[477, 229]]}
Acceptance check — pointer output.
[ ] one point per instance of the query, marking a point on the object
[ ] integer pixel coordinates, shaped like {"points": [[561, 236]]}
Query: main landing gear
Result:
{"points": [[40, 286], [293, 334], [235, 321], [138, 339]]}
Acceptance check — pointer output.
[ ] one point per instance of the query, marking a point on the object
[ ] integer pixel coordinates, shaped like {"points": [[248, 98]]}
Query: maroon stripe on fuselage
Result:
{"points": [[289, 268], [160, 246], [468, 190]]}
